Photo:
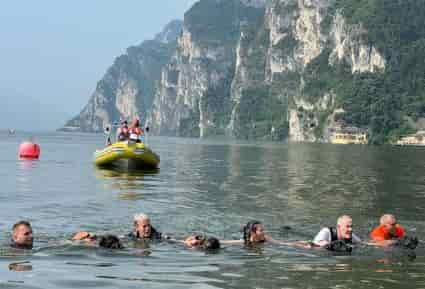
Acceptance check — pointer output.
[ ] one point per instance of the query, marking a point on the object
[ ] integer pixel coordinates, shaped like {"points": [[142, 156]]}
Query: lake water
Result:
{"points": [[213, 187]]}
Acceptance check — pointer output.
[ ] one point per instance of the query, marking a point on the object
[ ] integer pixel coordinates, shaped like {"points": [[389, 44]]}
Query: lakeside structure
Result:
{"points": [[416, 139], [69, 129], [349, 135]]}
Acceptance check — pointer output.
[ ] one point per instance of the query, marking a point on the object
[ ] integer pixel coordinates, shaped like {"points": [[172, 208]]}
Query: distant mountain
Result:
{"points": [[128, 87], [170, 32], [274, 69]]}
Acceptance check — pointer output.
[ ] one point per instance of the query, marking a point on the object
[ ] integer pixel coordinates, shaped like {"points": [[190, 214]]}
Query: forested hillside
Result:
{"points": [[381, 101], [275, 69]]}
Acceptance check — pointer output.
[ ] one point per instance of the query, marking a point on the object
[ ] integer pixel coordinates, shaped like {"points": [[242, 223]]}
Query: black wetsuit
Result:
{"points": [[343, 245]]}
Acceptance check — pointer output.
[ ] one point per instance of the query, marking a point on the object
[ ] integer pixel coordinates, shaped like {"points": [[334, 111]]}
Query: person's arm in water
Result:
{"points": [[232, 242], [266, 237], [270, 239], [380, 236], [85, 237], [301, 244], [174, 240], [382, 243]]}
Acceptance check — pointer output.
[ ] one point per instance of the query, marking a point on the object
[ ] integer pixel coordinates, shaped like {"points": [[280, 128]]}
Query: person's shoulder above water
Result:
{"points": [[323, 237], [342, 233], [387, 229], [390, 233]]}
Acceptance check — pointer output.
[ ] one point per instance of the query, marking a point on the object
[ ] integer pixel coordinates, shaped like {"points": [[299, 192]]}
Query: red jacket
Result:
{"points": [[137, 130]]}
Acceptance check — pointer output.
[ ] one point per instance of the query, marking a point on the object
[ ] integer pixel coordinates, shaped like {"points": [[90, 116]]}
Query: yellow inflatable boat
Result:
{"points": [[127, 154]]}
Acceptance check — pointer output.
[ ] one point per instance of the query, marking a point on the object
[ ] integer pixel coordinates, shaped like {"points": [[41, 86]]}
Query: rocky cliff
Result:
{"points": [[128, 87], [269, 69], [193, 98]]}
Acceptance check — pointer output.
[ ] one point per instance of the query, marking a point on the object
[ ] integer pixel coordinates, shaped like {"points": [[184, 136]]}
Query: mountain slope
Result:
{"points": [[275, 69], [128, 87]]}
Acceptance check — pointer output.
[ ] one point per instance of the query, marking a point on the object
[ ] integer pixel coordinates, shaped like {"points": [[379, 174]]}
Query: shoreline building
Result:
{"points": [[349, 135], [417, 139]]}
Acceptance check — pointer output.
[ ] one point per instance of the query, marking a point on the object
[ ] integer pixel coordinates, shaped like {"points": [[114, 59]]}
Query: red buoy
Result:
{"points": [[29, 150]]}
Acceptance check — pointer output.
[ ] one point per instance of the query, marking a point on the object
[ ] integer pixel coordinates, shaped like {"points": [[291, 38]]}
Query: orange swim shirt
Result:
{"points": [[380, 233]]}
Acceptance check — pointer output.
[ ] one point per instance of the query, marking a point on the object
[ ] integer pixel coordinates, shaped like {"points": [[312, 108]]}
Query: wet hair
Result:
{"points": [[342, 219], [211, 244], [21, 223], [248, 229], [386, 218], [140, 216], [110, 242]]}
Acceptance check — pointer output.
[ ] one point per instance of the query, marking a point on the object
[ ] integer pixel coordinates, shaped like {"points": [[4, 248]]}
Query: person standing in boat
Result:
{"points": [[108, 136], [136, 131], [123, 131]]}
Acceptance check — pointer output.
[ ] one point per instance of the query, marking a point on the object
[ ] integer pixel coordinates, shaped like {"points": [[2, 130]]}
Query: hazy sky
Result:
{"points": [[52, 53]]}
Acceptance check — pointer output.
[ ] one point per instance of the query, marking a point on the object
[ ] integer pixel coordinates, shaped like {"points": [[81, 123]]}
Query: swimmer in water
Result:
{"points": [[143, 230], [390, 233], [106, 241], [22, 236], [198, 241], [254, 233], [339, 238]]}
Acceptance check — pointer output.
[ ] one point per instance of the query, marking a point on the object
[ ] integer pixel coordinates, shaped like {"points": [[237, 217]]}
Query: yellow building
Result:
{"points": [[417, 139], [349, 135]]}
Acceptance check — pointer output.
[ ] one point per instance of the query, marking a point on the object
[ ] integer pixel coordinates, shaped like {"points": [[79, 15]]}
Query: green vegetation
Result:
{"points": [[322, 116], [379, 101], [216, 102], [287, 44], [189, 127], [127, 67], [218, 22], [260, 111]]}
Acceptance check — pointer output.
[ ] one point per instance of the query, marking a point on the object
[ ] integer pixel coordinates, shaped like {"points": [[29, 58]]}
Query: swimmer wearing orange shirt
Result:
{"points": [[388, 233]]}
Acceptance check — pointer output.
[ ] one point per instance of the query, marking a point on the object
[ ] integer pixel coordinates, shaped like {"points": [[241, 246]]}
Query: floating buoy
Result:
{"points": [[29, 150]]}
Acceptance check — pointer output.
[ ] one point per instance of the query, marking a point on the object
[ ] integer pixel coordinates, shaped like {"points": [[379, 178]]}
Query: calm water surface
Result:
{"points": [[212, 187]]}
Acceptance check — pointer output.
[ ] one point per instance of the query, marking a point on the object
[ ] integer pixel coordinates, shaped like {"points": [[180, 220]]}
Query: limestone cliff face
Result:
{"points": [[128, 87], [273, 59], [194, 91], [242, 68], [298, 37], [348, 45], [179, 107]]}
